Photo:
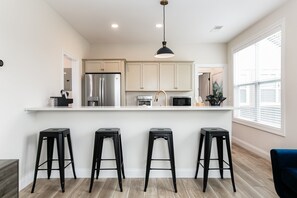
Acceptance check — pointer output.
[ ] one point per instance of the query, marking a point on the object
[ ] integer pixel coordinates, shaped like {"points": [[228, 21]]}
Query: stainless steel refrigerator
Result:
{"points": [[102, 89]]}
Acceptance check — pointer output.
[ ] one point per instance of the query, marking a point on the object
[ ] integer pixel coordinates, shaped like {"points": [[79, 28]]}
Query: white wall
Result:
{"points": [[200, 53], [32, 40], [256, 140]]}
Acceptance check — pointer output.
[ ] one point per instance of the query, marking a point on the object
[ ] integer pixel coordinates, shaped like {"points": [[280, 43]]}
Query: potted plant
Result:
{"points": [[217, 97]]}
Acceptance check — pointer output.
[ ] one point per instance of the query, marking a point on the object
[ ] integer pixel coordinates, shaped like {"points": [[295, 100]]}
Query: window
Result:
{"points": [[257, 82]]}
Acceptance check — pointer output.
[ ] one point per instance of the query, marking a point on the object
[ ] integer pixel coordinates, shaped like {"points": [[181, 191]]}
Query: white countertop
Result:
{"points": [[132, 108]]}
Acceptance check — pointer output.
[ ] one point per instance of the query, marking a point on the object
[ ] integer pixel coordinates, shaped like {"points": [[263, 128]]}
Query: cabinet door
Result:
{"points": [[184, 76], [93, 66], [111, 66], [167, 76], [150, 76], [133, 76]]}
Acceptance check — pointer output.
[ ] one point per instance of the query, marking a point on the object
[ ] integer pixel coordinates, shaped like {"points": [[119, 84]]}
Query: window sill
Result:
{"points": [[261, 127]]}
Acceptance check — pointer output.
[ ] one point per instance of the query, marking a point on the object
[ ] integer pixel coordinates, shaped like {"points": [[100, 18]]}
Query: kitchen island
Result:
{"points": [[135, 123]]}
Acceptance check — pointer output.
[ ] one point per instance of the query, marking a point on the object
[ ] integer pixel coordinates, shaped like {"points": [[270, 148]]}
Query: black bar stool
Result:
{"points": [[50, 135], [100, 134], [220, 135], [166, 134]]}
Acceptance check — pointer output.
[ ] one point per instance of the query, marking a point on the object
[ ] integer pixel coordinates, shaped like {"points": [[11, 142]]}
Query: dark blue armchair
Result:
{"points": [[284, 169]]}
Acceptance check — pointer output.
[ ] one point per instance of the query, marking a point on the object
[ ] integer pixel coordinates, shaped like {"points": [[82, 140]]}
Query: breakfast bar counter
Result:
{"points": [[132, 108], [135, 123]]}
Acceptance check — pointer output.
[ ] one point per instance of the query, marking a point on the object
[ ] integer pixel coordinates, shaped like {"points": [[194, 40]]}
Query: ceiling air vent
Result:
{"points": [[216, 28]]}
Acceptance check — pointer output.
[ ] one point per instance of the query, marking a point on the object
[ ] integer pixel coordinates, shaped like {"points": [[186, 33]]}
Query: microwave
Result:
{"points": [[180, 101]]}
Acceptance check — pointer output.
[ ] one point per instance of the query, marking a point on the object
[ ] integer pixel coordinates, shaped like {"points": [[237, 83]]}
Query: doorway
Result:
{"points": [[205, 77], [71, 78], [204, 85]]}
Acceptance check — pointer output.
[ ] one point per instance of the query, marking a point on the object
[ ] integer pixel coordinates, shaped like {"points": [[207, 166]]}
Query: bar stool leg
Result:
{"points": [[122, 160], [50, 148], [220, 154], [199, 154], [149, 159], [60, 145], [71, 154], [118, 159], [95, 154], [172, 161], [37, 161], [99, 155], [207, 151], [230, 162]]}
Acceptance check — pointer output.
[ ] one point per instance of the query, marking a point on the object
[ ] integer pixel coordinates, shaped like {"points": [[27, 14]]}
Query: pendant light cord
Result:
{"points": [[164, 23]]}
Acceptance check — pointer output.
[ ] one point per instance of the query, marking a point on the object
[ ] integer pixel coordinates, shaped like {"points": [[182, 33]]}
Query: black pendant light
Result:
{"points": [[164, 52]]}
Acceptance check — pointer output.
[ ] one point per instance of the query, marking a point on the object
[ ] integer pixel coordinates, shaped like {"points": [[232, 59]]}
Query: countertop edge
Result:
{"points": [[126, 108]]}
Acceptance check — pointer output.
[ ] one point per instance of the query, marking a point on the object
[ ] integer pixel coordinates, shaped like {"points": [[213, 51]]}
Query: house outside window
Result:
{"points": [[258, 81]]}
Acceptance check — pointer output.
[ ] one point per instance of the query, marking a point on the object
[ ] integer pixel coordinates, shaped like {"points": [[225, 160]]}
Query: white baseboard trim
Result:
{"points": [[251, 148], [129, 173]]}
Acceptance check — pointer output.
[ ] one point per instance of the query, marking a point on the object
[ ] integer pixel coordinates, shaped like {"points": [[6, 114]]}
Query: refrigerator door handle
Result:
{"points": [[103, 92], [100, 92]]}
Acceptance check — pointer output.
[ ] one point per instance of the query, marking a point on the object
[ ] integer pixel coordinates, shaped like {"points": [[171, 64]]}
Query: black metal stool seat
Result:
{"points": [[100, 134], [50, 135], [220, 135], [156, 133]]}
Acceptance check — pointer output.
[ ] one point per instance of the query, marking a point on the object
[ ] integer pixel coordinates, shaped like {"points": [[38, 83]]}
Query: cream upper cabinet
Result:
{"points": [[184, 76], [142, 76], [176, 76], [133, 76], [154, 76], [167, 76], [150, 76], [104, 66]]}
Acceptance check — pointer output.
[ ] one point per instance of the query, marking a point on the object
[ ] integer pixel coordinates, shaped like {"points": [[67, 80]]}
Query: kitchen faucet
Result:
{"points": [[157, 95]]}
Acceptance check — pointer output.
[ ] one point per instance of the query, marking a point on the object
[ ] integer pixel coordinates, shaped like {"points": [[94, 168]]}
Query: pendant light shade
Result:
{"points": [[164, 52]]}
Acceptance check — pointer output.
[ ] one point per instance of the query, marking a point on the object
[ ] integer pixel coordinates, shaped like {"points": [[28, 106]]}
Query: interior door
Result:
{"points": [[204, 86]]}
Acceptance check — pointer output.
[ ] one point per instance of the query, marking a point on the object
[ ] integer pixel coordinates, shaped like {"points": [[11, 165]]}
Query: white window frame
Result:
{"points": [[278, 25]]}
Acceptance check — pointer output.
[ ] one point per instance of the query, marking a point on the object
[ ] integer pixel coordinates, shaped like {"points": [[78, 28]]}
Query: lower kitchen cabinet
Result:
{"points": [[9, 178]]}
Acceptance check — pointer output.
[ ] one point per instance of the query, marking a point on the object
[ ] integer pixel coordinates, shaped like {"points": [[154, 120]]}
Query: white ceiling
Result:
{"points": [[187, 21]]}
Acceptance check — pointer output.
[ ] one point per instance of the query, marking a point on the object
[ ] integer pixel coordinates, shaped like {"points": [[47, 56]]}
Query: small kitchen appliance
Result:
{"points": [[61, 101], [144, 100], [180, 101]]}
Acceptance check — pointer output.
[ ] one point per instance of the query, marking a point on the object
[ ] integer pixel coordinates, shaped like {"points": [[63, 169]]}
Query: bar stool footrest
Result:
{"points": [[54, 160], [214, 168], [161, 159], [160, 169], [106, 169]]}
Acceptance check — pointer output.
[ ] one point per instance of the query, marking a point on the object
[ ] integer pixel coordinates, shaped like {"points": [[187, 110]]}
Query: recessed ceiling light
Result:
{"points": [[159, 25], [114, 25]]}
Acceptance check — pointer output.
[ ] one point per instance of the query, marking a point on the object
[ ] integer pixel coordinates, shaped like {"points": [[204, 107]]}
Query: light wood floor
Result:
{"points": [[252, 178]]}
